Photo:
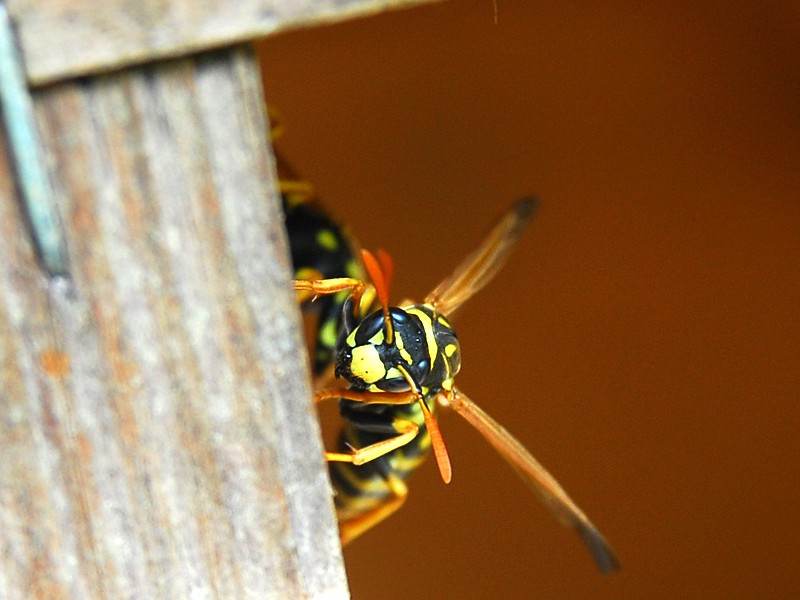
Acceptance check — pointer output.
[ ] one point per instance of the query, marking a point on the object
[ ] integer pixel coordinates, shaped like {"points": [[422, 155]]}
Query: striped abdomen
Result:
{"points": [[360, 489]]}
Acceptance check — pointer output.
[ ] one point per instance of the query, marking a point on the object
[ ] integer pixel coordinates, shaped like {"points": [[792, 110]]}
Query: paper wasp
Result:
{"points": [[399, 363]]}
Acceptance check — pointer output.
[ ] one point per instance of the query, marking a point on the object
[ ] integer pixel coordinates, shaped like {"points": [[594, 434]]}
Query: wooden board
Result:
{"points": [[66, 38], [156, 427]]}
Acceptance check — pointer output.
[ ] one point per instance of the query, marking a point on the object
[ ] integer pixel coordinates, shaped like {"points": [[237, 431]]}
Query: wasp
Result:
{"points": [[320, 249], [399, 364]]}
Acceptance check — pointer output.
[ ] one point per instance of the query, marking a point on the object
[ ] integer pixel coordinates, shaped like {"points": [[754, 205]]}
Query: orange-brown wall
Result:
{"points": [[644, 340]]}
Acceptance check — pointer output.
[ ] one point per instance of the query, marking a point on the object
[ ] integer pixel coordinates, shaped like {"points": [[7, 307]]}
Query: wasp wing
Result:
{"points": [[480, 266], [537, 477]]}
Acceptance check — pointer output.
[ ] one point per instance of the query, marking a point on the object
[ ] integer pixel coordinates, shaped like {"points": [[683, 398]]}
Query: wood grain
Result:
{"points": [[67, 38], [156, 428]]}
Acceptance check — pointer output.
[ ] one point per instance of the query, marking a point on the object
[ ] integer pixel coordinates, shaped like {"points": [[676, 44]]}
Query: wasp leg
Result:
{"points": [[407, 431], [394, 398], [320, 287], [296, 191], [307, 274], [351, 529]]}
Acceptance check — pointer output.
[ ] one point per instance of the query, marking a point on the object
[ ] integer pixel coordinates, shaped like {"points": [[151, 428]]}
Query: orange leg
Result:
{"points": [[296, 191], [351, 529], [394, 398], [409, 397], [319, 287], [407, 431]]}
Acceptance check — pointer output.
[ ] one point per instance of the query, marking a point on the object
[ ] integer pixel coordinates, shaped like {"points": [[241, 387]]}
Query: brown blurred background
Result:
{"points": [[644, 340]]}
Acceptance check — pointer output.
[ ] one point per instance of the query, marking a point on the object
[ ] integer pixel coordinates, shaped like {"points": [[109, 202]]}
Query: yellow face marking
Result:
{"points": [[327, 239], [444, 322], [401, 346], [406, 356], [367, 364], [394, 373], [427, 325], [377, 339], [450, 349]]}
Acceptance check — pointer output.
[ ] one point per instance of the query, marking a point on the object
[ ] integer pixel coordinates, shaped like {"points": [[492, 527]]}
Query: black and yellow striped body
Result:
{"points": [[426, 346], [320, 250], [361, 489]]}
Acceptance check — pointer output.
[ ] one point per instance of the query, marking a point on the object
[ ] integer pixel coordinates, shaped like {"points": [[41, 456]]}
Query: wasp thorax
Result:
{"points": [[423, 345]]}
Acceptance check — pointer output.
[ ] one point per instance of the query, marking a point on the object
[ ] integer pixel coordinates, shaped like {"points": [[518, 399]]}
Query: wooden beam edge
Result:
{"points": [[94, 37]]}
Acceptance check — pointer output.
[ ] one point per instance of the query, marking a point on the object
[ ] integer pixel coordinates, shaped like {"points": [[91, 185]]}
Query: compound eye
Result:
{"points": [[423, 367], [347, 316], [399, 316], [369, 327]]}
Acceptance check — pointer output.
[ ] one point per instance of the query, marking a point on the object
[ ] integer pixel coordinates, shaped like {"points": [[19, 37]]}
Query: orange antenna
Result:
{"points": [[380, 271], [437, 441], [387, 264]]}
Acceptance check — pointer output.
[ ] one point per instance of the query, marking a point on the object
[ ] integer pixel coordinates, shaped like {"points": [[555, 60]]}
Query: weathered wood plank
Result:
{"points": [[67, 38], [156, 428]]}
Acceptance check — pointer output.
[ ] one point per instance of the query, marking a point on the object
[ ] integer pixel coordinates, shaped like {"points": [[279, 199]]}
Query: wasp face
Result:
{"points": [[424, 345], [368, 362]]}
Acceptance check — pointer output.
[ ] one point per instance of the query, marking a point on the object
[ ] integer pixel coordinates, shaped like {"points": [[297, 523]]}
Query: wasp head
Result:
{"points": [[369, 361]]}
